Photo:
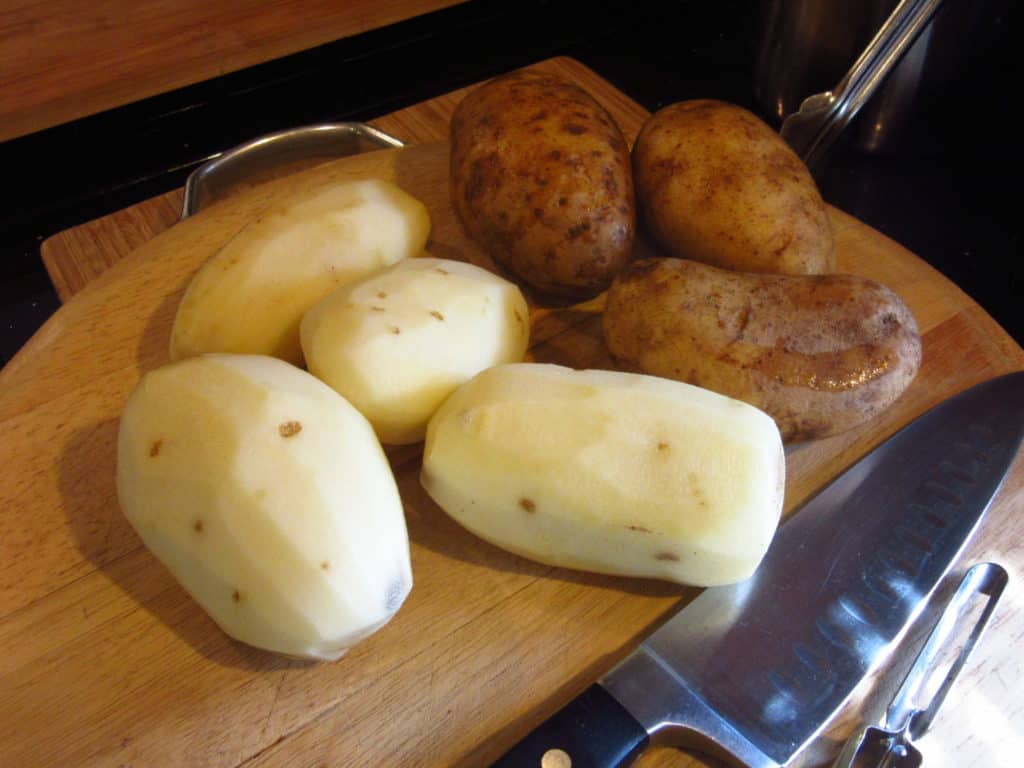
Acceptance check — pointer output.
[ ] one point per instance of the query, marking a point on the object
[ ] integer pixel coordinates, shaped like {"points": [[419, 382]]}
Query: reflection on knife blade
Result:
{"points": [[909, 716]]}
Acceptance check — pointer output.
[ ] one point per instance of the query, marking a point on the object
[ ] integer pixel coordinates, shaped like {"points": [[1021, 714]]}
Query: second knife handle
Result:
{"points": [[591, 731]]}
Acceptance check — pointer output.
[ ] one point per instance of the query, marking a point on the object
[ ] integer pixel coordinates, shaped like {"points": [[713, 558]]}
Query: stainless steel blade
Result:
{"points": [[755, 671]]}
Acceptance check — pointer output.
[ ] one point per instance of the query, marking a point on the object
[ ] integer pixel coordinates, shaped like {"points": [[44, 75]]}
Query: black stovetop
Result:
{"points": [[947, 193]]}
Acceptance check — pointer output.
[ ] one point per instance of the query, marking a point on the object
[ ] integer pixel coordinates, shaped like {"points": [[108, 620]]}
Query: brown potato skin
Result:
{"points": [[819, 353], [540, 178], [715, 184]]}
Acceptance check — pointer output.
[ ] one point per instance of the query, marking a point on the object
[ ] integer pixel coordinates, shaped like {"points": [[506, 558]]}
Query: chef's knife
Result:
{"points": [[753, 672]]}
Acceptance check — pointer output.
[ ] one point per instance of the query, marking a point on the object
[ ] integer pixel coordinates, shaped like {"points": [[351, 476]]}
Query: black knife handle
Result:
{"points": [[593, 730]]}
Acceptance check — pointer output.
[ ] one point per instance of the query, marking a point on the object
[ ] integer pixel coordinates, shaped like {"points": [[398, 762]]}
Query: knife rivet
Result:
{"points": [[556, 758]]}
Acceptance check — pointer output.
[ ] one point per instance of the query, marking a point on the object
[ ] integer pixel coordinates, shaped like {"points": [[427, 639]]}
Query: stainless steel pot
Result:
{"points": [[807, 47]]}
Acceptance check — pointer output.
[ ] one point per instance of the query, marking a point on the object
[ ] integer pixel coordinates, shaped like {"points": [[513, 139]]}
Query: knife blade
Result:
{"points": [[753, 672]]}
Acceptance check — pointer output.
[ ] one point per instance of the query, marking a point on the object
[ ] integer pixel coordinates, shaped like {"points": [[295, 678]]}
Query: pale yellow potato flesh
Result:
{"points": [[612, 472], [250, 296], [397, 343], [270, 500]]}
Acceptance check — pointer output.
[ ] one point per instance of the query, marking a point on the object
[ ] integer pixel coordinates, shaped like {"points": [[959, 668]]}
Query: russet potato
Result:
{"points": [[270, 500], [715, 184], [540, 179], [397, 343], [250, 296], [819, 353], [607, 471]]}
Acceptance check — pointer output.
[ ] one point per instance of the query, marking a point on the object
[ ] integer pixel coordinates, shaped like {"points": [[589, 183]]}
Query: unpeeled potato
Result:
{"points": [[716, 184], [819, 353], [540, 179]]}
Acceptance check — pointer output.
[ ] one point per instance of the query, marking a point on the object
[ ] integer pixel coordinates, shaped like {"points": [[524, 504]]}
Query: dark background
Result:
{"points": [[949, 191]]}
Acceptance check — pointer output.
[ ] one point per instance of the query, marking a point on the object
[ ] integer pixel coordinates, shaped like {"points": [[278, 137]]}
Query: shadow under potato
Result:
{"points": [[570, 337], [155, 342]]}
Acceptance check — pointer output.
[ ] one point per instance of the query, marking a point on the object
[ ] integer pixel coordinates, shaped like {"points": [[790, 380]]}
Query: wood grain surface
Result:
{"points": [[65, 59], [104, 660]]}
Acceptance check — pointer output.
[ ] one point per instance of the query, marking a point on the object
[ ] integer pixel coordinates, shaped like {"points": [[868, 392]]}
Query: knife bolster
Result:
{"points": [[674, 715]]}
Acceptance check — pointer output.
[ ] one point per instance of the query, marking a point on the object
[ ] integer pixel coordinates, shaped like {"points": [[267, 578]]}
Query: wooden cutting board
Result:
{"points": [[104, 660]]}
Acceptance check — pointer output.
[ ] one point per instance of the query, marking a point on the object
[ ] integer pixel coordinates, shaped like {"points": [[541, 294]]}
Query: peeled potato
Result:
{"points": [[397, 343], [269, 498], [251, 295], [613, 472]]}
